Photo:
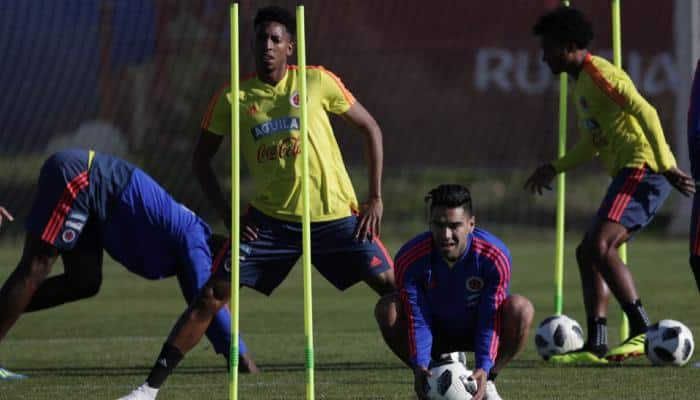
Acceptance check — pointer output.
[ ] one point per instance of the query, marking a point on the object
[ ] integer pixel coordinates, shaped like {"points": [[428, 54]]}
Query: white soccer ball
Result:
{"points": [[669, 342], [450, 381], [558, 334]]}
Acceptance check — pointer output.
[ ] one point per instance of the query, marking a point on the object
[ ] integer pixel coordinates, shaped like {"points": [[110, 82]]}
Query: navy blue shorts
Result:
{"points": [[62, 205], [342, 260], [634, 197]]}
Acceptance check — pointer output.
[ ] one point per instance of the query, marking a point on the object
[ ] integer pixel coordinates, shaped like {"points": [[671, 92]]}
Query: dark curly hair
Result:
{"points": [[565, 25], [451, 196], [276, 14]]}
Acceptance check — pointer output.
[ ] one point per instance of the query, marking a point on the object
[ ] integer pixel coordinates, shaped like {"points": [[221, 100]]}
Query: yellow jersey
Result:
{"points": [[271, 145], [617, 124]]}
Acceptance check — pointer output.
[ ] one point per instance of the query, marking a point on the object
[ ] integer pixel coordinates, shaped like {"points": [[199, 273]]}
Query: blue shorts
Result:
{"points": [[341, 259], [634, 197], [62, 205]]}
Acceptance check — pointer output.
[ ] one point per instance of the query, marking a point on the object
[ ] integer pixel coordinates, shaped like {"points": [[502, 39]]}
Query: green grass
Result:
{"points": [[103, 347]]}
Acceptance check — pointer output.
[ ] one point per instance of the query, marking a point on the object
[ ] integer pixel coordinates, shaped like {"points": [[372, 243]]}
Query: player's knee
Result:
{"points": [[521, 309], [385, 282], [386, 310], [207, 302]]}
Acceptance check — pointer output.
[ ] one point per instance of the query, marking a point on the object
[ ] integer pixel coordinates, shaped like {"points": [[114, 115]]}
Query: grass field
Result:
{"points": [[103, 347]]}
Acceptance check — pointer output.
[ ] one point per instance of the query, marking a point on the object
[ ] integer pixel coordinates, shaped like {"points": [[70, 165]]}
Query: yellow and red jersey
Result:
{"points": [[616, 122], [271, 145]]}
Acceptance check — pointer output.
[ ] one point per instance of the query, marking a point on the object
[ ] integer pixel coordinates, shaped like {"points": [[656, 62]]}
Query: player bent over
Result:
{"points": [[88, 202], [453, 284], [621, 128]]}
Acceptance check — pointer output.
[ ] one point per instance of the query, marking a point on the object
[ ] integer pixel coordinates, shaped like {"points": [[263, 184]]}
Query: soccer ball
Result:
{"points": [[558, 334], [450, 381], [669, 342]]}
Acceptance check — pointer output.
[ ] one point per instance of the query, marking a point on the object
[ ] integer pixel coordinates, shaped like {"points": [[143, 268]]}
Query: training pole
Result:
{"points": [[561, 198], [617, 60], [235, 204], [306, 219]]}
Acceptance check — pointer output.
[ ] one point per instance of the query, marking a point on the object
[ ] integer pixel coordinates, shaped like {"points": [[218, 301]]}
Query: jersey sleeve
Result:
{"points": [[416, 309], [335, 97], [217, 119], [581, 152], [488, 329], [648, 118]]}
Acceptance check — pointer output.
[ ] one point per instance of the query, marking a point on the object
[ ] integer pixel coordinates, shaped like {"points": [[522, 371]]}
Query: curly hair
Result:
{"points": [[276, 14], [565, 25]]}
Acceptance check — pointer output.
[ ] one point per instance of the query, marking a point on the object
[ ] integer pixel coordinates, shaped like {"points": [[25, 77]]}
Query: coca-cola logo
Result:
{"points": [[287, 148]]}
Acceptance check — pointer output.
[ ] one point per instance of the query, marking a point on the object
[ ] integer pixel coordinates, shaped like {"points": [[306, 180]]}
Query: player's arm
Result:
{"points": [[206, 148], [419, 335], [542, 177], [494, 292], [371, 215], [4, 214], [649, 120]]}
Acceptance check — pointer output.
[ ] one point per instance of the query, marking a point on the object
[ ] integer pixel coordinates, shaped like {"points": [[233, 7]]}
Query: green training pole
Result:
{"points": [[306, 219], [561, 198], [236, 202], [617, 60]]}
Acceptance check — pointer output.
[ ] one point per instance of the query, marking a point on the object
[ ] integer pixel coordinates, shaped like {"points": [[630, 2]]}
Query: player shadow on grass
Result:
{"points": [[202, 370]]}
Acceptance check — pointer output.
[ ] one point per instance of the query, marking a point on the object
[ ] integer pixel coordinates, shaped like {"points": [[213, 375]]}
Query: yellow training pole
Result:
{"points": [[617, 60], [306, 219], [561, 198], [236, 202]]}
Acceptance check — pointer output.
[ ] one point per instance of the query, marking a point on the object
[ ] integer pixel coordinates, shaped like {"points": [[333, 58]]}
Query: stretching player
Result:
{"points": [[694, 154], [621, 128], [89, 202], [453, 284], [346, 247]]}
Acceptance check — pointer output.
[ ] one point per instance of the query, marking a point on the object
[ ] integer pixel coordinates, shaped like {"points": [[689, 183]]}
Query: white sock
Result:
{"points": [[153, 392]]}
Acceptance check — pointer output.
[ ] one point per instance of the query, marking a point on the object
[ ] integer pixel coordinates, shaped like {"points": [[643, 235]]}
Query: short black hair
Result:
{"points": [[276, 14], [450, 195], [565, 25]]}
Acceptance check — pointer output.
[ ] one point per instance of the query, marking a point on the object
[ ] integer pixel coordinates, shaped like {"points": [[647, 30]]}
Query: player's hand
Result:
{"points": [[540, 179], [681, 181], [249, 232], [370, 219], [420, 382], [480, 377], [4, 214]]}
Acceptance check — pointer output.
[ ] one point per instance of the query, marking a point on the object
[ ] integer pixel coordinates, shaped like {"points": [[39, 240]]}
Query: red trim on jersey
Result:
{"points": [[346, 93], [407, 258], [212, 105], [696, 243], [623, 198], [499, 260], [603, 84], [60, 213], [412, 351], [220, 255]]}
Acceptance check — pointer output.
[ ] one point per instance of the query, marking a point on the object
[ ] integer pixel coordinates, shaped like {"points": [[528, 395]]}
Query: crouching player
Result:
{"points": [[453, 284], [88, 202], [694, 154]]}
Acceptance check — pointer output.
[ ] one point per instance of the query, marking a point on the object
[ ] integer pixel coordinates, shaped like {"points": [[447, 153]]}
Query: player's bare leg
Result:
{"points": [[393, 326], [383, 283], [605, 239], [82, 278], [16, 293], [517, 313]]}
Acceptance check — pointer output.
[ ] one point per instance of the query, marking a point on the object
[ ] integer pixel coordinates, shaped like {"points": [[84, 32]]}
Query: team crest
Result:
{"points": [[69, 236], [475, 284], [294, 99]]}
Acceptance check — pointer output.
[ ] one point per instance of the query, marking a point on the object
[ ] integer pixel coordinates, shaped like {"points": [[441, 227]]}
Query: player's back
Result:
{"points": [[145, 229]]}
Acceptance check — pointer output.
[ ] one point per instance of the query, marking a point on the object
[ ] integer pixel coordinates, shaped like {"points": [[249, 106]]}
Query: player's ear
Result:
{"points": [[471, 223], [290, 47]]}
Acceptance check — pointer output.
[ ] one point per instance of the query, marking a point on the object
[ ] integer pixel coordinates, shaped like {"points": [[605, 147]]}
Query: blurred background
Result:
{"points": [[457, 87]]}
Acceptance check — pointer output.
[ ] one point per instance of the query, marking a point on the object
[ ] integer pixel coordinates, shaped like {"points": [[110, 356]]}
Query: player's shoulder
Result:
{"points": [[419, 246], [602, 72], [488, 244]]}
